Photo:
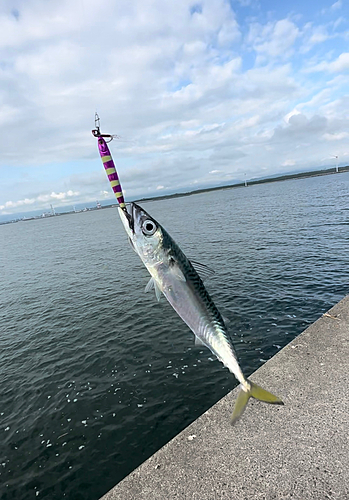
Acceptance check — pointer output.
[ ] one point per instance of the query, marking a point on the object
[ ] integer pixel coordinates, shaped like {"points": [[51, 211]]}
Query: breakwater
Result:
{"points": [[296, 451]]}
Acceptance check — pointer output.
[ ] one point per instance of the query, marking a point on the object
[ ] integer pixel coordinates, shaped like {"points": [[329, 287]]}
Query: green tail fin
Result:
{"points": [[255, 392], [240, 405]]}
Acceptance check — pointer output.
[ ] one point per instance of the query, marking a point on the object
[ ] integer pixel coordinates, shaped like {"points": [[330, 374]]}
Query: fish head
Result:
{"points": [[144, 232]]}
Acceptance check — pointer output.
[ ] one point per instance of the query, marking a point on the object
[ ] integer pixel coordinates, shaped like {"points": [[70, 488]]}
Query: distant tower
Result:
{"points": [[53, 210], [336, 156], [98, 204]]}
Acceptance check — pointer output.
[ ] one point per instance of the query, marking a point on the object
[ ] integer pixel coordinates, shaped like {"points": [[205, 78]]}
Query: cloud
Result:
{"points": [[336, 137], [313, 35], [337, 5], [289, 115], [288, 163], [19, 203], [275, 39], [40, 200], [332, 8], [337, 66]]}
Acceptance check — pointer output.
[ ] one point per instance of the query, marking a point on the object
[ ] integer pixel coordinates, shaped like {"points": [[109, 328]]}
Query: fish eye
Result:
{"points": [[148, 227]]}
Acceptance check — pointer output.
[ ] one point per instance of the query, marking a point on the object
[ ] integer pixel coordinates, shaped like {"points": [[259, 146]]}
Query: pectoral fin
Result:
{"points": [[175, 269], [152, 284], [178, 273]]}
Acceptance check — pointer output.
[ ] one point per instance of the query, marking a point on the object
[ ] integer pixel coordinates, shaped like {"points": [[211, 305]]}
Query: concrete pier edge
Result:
{"points": [[298, 451]]}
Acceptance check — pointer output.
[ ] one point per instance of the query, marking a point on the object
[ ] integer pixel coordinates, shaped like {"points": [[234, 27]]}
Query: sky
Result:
{"points": [[200, 93]]}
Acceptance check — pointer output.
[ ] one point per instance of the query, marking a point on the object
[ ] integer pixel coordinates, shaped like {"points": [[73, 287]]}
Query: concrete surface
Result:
{"points": [[298, 451]]}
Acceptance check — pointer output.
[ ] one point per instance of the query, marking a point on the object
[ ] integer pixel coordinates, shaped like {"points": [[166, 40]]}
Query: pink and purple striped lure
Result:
{"points": [[110, 170]]}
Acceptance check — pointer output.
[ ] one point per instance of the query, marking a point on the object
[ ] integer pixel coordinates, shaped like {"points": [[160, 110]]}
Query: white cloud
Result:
{"points": [[337, 5], [41, 199], [336, 137], [332, 8], [19, 203], [275, 39], [313, 35], [337, 66], [290, 114], [340, 64], [319, 35], [288, 163]]}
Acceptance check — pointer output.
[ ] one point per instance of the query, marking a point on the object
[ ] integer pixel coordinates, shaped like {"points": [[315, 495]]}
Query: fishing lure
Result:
{"points": [[108, 162]]}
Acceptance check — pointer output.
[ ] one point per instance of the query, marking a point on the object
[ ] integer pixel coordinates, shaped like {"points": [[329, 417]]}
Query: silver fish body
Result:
{"points": [[176, 277]]}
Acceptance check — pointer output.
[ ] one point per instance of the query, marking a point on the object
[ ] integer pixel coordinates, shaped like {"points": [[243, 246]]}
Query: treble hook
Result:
{"points": [[97, 132]]}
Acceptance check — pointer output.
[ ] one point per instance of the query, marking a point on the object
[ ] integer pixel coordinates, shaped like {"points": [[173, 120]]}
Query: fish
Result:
{"points": [[179, 280]]}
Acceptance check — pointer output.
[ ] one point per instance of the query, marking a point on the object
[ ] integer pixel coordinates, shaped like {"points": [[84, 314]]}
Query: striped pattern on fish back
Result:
{"points": [[216, 336]]}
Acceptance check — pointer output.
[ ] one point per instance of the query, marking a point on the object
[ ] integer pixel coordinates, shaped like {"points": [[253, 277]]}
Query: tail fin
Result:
{"points": [[254, 392]]}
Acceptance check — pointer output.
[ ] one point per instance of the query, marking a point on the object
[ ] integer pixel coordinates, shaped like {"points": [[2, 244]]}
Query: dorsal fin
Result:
{"points": [[203, 271]]}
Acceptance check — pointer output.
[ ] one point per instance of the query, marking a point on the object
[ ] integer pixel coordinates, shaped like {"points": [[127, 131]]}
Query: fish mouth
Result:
{"points": [[132, 213], [128, 215], [131, 217], [136, 212]]}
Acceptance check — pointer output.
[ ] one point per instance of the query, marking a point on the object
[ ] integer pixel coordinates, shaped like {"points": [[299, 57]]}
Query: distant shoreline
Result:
{"points": [[301, 175], [252, 182]]}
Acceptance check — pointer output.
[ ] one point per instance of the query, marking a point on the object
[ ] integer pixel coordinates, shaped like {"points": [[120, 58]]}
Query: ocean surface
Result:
{"points": [[95, 375]]}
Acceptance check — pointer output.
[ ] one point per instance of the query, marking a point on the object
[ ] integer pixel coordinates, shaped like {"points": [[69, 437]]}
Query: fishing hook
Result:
{"points": [[97, 131]]}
